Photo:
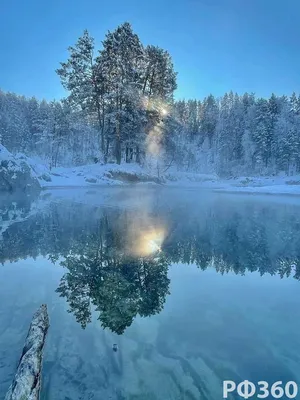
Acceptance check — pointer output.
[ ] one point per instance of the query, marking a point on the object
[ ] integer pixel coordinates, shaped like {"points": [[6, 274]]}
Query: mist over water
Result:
{"points": [[193, 287]]}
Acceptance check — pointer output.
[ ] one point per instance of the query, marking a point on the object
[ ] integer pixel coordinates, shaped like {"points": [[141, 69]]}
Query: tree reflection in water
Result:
{"points": [[118, 285], [117, 259]]}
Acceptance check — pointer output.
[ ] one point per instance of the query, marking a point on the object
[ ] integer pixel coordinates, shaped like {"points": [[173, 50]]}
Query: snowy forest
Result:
{"points": [[120, 108]]}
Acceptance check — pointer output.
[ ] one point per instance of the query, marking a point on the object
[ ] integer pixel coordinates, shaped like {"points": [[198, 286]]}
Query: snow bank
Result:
{"points": [[4, 153], [113, 174], [189, 178], [263, 185], [97, 174], [16, 173], [39, 169]]}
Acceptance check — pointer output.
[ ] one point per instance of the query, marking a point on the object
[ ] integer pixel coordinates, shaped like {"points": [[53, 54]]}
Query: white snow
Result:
{"points": [[247, 184], [37, 167], [12, 163], [97, 174], [4, 153], [90, 175], [15, 163], [263, 185]]}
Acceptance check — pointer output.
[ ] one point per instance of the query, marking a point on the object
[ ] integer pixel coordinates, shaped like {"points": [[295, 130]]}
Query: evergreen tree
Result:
{"points": [[209, 118], [82, 77], [159, 80], [122, 60], [120, 104]]}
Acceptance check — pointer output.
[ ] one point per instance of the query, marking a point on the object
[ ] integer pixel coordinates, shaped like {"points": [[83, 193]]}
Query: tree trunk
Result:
{"points": [[27, 381], [106, 151], [152, 81], [145, 83], [118, 144], [101, 128], [56, 155], [138, 156]]}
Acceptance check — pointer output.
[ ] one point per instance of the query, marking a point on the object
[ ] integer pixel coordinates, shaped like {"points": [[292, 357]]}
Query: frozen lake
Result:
{"points": [[194, 288]]}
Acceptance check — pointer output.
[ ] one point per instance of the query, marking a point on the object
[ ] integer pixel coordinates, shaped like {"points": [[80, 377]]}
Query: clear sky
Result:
{"points": [[216, 45]]}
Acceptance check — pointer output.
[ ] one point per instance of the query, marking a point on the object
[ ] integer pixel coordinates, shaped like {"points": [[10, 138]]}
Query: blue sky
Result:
{"points": [[216, 45]]}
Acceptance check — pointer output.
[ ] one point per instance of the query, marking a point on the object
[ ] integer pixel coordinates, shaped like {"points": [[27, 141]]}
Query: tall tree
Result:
{"points": [[82, 77], [122, 61]]}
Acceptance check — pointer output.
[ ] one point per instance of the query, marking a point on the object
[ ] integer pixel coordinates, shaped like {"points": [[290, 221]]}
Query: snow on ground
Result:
{"points": [[36, 165], [4, 153], [112, 174], [189, 179], [93, 175], [262, 185]]}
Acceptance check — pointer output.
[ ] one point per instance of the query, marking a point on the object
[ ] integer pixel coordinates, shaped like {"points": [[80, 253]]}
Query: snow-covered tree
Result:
{"points": [[120, 107], [81, 75], [122, 58]]}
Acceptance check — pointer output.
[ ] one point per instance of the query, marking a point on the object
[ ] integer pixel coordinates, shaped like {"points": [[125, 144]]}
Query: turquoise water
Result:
{"points": [[193, 287]]}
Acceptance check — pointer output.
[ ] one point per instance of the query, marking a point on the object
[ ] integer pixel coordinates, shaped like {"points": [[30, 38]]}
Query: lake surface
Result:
{"points": [[194, 288]]}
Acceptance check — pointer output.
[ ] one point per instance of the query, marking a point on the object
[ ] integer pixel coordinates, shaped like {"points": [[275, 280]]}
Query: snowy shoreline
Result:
{"points": [[116, 192], [99, 176]]}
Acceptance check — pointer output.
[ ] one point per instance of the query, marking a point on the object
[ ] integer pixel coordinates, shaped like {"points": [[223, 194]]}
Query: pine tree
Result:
{"points": [[159, 80], [263, 135], [32, 114], [3, 119], [82, 77], [209, 118], [122, 61]]}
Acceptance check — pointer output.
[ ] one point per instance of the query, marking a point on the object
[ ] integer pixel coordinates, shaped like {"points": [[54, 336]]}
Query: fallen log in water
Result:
{"points": [[27, 381]]}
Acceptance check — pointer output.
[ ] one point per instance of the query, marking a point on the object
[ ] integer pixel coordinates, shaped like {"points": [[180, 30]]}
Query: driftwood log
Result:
{"points": [[27, 381]]}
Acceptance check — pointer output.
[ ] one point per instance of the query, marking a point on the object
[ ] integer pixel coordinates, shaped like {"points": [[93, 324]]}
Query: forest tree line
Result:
{"points": [[120, 108]]}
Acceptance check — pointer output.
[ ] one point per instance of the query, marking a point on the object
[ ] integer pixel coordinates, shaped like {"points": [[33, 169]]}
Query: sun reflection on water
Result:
{"points": [[148, 242]]}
